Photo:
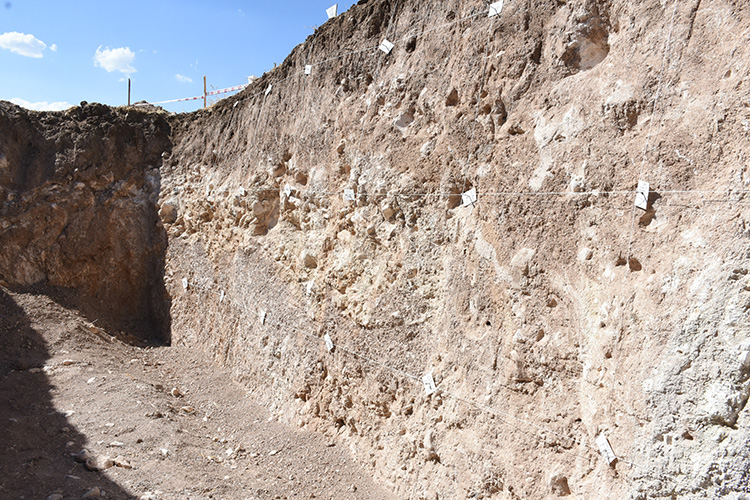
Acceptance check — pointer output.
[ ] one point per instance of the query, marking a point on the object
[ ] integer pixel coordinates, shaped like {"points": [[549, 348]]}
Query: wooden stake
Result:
{"points": [[204, 91], [128, 91]]}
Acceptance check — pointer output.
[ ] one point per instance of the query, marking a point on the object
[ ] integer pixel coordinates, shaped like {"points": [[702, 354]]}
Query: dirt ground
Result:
{"points": [[175, 425]]}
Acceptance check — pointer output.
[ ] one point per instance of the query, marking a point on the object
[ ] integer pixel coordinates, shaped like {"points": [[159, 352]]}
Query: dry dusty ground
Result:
{"points": [[186, 429]]}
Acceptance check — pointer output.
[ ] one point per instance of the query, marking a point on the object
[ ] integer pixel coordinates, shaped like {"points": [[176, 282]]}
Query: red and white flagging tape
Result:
{"points": [[213, 92]]}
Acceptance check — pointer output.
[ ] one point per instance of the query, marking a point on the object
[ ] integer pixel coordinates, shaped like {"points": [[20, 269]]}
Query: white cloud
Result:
{"points": [[183, 78], [119, 59], [53, 47], [42, 105], [22, 44]]}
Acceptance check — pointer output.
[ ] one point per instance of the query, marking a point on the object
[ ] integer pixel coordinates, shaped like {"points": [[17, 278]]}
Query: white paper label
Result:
{"points": [[469, 197], [329, 342], [641, 195], [349, 195], [185, 283], [605, 449], [332, 11], [496, 8], [429, 384], [221, 296], [241, 191], [262, 316], [287, 190], [268, 90], [308, 69], [386, 46]]}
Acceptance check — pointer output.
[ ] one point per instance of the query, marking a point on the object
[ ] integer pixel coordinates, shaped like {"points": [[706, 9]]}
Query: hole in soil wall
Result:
{"points": [[646, 219], [452, 98], [634, 264]]}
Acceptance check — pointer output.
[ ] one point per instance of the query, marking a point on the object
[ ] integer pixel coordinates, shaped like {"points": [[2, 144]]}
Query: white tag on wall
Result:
{"points": [[641, 195], [241, 191], [349, 195], [329, 342], [268, 90], [495, 8], [308, 69], [287, 190], [605, 449], [221, 296], [332, 11], [469, 197], [185, 283], [262, 316], [745, 358], [386, 46], [429, 384]]}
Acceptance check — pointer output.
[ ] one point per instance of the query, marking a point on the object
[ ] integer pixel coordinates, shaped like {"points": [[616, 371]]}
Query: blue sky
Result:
{"points": [[56, 53]]}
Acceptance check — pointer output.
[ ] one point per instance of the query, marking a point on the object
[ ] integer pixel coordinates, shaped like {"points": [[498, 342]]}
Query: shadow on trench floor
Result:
{"points": [[151, 326], [37, 439], [176, 423]]}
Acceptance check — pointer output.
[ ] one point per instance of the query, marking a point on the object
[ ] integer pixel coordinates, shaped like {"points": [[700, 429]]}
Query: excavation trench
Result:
{"points": [[331, 204]]}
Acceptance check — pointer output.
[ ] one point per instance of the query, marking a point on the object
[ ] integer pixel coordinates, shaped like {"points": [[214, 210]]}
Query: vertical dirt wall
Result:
{"points": [[78, 213], [549, 313]]}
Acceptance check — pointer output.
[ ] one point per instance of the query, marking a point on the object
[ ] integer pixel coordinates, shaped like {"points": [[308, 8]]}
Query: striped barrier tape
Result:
{"points": [[230, 89], [213, 92]]}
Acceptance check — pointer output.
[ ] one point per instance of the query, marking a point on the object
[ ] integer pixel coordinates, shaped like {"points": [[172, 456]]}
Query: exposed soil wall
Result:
{"points": [[556, 309], [78, 216]]}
